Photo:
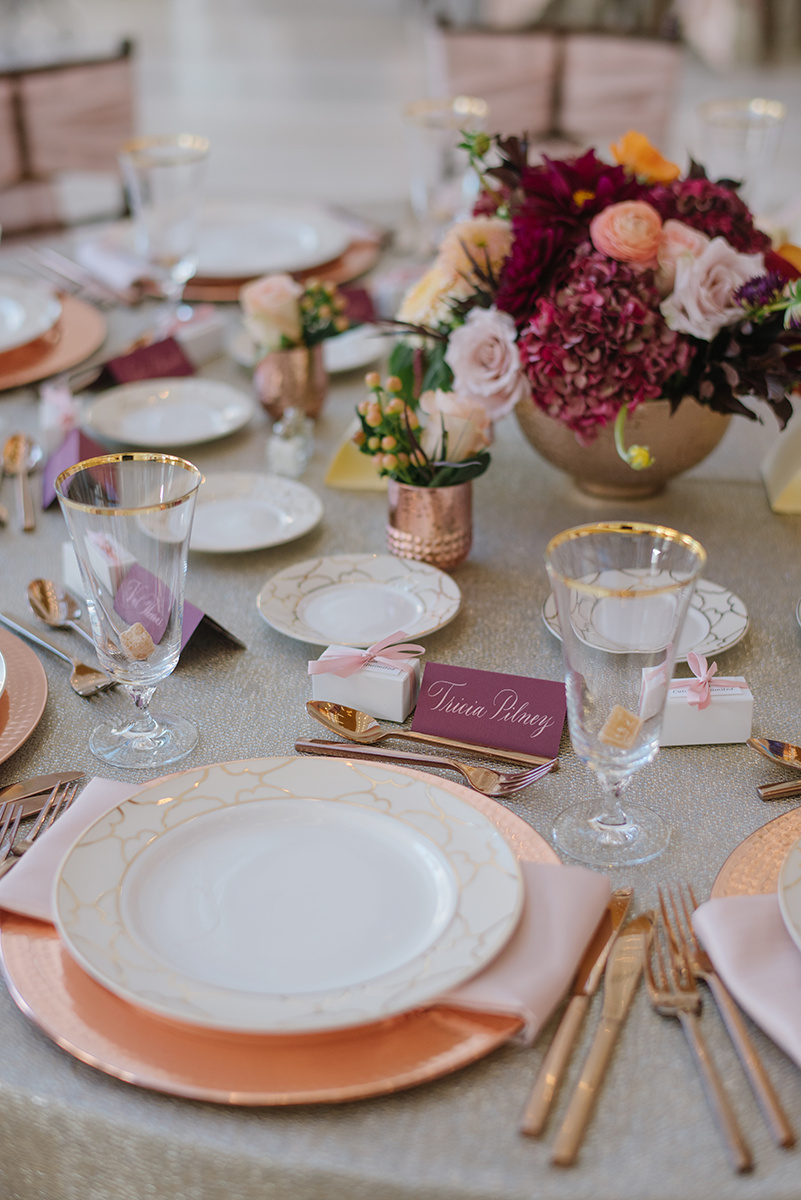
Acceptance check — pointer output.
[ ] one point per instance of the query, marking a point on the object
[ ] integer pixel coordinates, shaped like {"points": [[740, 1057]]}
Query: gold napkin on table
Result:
{"points": [[758, 961], [351, 470], [529, 977]]}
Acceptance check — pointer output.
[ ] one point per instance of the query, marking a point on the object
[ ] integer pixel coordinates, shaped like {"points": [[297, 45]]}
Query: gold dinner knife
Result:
{"points": [[622, 975], [585, 984]]}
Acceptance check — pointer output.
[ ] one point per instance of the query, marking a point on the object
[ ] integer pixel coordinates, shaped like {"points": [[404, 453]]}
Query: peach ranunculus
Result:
{"points": [[678, 241], [486, 365], [701, 302], [271, 307], [481, 241], [466, 424], [429, 301], [635, 152], [628, 232]]}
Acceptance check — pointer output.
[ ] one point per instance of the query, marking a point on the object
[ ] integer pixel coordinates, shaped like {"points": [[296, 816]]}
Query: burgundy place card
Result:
{"points": [[75, 448], [487, 708], [144, 598], [158, 360]]}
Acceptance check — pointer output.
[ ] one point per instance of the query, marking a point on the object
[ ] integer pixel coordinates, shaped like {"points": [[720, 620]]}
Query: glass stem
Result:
{"points": [[143, 723], [613, 813]]}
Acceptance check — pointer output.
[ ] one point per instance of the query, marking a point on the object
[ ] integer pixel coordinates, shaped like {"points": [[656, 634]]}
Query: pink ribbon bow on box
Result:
{"points": [[700, 688], [390, 651]]}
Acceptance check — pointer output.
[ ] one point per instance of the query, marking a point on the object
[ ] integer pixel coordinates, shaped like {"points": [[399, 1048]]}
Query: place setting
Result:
{"points": [[42, 331]]}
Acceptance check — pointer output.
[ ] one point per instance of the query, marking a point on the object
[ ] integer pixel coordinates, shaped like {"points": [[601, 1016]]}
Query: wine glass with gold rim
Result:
{"points": [[622, 591], [130, 517]]}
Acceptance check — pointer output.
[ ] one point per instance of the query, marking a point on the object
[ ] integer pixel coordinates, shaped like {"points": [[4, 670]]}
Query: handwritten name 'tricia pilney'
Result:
{"points": [[506, 705]]}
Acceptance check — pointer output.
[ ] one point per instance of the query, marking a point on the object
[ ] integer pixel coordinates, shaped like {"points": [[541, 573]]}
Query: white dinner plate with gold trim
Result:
{"points": [[161, 414], [28, 309], [283, 895], [716, 620], [357, 599], [243, 510]]}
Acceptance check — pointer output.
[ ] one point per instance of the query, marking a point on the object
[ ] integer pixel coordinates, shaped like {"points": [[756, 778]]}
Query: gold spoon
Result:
{"points": [[56, 607], [20, 456], [359, 727]]}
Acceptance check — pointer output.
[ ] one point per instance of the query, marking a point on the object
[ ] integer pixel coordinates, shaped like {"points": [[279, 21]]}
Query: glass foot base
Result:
{"points": [[172, 738], [578, 833]]}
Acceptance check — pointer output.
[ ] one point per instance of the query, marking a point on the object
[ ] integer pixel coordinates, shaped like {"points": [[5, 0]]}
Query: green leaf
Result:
{"points": [[401, 363], [437, 372], [451, 473]]}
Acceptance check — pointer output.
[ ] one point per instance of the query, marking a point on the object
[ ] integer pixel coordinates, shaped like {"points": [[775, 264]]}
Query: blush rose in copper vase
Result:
{"points": [[288, 322]]}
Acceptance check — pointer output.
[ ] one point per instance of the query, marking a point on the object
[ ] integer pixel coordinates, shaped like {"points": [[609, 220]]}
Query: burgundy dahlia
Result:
{"points": [[596, 341], [713, 208], [550, 216]]}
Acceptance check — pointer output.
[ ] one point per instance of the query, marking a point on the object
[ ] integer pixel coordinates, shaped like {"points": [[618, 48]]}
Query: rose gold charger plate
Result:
{"points": [[129, 1043], [24, 696], [79, 331], [752, 868], [359, 257]]}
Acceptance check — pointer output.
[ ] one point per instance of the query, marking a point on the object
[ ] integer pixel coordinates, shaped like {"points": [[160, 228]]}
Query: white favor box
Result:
{"points": [[389, 693], [727, 717]]}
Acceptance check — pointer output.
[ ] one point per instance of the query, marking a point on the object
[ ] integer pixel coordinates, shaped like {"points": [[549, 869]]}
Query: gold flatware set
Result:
{"points": [[663, 947]]}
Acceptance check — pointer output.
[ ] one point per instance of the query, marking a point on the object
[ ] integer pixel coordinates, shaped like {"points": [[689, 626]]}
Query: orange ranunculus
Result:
{"points": [[629, 232], [635, 152]]}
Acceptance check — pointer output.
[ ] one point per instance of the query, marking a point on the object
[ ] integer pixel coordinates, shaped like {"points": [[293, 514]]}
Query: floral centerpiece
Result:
{"points": [[592, 288], [287, 322]]}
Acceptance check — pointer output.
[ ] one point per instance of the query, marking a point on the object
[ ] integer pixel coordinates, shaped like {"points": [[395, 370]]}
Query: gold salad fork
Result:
{"points": [[701, 966], [482, 779], [57, 802], [673, 992], [10, 817]]}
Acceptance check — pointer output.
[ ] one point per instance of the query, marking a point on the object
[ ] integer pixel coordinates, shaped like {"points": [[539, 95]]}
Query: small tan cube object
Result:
{"points": [[620, 728], [137, 642]]}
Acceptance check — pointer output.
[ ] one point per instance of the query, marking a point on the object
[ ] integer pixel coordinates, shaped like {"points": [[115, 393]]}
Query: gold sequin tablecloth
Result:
{"points": [[71, 1133]]}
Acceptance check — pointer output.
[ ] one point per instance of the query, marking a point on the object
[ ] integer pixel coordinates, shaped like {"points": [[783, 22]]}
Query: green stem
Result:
{"points": [[637, 457]]}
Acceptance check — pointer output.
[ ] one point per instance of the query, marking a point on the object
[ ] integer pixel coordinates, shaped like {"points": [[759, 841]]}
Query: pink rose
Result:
{"points": [[678, 240], [272, 311], [701, 302], [627, 232], [466, 424], [485, 361]]}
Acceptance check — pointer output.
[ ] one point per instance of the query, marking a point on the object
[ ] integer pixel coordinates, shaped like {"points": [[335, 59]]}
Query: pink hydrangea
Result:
{"points": [[597, 341]]}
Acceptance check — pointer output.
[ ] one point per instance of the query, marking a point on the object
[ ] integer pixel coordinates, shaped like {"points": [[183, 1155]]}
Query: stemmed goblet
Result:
{"points": [[163, 177], [622, 592], [129, 517]]}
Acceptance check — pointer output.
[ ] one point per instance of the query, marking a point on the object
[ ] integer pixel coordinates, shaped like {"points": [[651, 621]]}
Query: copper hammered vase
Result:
{"points": [[294, 378], [431, 525], [677, 442]]}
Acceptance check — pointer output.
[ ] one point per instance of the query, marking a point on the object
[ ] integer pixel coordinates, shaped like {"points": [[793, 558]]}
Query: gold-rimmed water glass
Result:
{"points": [[163, 176], [622, 592], [129, 517]]}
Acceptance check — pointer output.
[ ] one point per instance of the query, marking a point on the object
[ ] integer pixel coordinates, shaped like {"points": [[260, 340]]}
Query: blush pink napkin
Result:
{"points": [[562, 908], [758, 961]]}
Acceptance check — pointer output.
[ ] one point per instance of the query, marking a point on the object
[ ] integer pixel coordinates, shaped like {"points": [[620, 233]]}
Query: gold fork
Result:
{"points": [[57, 802], [673, 993], [701, 966]]}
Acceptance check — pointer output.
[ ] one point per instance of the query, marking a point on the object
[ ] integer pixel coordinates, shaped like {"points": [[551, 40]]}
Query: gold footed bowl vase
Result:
{"points": [[677, 441]]}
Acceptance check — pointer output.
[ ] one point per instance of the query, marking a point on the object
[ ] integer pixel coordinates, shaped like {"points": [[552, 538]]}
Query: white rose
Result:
{"points": [[466, 424], [678, 240], [701, 303], [272, 310], [485, 362]]}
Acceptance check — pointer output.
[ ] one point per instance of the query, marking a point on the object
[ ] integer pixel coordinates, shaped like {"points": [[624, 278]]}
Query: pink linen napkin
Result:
{"points": [[562, 908], [758, 961]]}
